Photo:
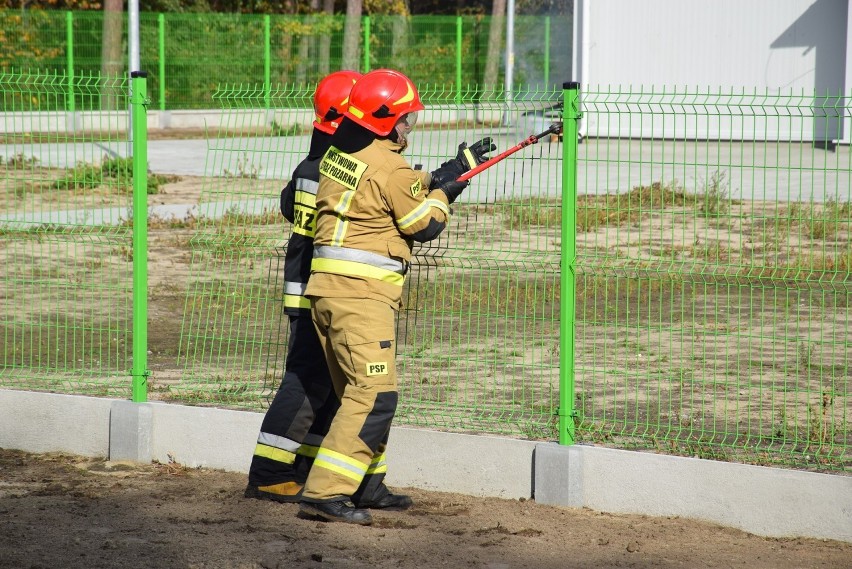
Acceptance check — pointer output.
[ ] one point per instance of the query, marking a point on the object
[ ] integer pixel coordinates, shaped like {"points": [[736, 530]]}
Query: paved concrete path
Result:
{"points": [[753, 170]]}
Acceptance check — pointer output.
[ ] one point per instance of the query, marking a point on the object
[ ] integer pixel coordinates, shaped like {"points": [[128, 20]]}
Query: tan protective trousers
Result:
{"points": [[358, 338]]}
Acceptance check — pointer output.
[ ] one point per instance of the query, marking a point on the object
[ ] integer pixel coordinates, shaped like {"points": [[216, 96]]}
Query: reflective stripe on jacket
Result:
{"points": [[298, 205], [371, 206]]}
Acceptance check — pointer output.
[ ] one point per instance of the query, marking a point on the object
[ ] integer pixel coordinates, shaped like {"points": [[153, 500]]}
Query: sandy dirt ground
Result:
{"points": [[61, 511]]}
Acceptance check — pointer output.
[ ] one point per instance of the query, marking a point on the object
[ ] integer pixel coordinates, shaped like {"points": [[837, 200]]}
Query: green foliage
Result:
{"points": [[18, 162], [714, 201], [117, 172]]}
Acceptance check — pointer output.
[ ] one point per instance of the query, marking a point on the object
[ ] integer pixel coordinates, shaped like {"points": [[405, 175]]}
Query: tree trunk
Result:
{"points": [[305, 61], [495, 45], [112, 56], [352, 36], [324, 54], [399, 51]]}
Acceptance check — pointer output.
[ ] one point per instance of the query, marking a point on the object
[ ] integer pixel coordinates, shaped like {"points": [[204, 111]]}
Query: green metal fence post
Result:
{"points": [[138, 106], [458, 59], [546, 51], [69, 53], [267, 61], [366, 44], [568, 255], [161, 50]]}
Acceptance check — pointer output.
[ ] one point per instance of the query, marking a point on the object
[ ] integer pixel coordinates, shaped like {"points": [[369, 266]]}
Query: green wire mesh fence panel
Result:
{"points": [[233, 336], [207, 50], [65, 188], [714, 297], [203, 50], [304, 49], [478, 335], [423, 47]]}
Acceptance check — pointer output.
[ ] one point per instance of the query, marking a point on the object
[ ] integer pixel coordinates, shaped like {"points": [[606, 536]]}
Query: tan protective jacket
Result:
{"points": [[371, 206]]}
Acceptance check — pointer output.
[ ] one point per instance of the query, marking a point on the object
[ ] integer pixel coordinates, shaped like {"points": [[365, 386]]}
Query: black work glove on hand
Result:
{"points": [[467, 158], [452, 188]]}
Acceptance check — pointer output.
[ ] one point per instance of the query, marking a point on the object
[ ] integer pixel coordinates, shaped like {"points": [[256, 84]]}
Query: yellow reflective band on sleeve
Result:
{"points": [[438, 204], [342, 168], [340, 227], [420, 212], [296, 301], [341, 464], [276, 454], [355, 269], [378, 465]]}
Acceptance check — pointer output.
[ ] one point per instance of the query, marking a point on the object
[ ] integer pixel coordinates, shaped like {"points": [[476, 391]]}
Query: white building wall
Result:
{"points": [[782, 50]]}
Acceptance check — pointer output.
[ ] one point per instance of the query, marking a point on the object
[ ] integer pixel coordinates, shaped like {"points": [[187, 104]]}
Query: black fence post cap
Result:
{"points": [[571, 85], [135, 74]]}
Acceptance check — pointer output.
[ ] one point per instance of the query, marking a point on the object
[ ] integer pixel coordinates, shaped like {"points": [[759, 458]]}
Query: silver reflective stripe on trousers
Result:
{"points": [[278, 442], [295, 288], [359, 256]]}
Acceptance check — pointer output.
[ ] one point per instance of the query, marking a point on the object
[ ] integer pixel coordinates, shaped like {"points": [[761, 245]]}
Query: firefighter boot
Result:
{"points": [[337, 511], [384, 499], [284, 492]]}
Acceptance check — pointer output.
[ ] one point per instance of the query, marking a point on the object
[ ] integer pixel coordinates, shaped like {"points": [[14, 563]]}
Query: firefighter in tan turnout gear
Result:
{"points": [[371, 207]]}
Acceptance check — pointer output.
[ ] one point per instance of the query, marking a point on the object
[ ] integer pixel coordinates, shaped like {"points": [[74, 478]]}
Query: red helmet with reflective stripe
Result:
{"points": [[332, 98], [380, 98]]}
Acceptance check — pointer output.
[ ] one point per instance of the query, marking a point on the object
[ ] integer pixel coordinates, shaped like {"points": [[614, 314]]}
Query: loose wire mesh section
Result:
{"points": [[233, 335], [65, 243], [479, 332], [714, 294]]}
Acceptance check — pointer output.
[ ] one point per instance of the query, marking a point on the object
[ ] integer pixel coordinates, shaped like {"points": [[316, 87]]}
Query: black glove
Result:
{"points": [[452, 188], [473, 156], [467, 158]]}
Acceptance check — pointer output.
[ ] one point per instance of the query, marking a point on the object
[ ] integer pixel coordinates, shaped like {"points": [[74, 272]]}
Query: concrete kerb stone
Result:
{"points": [[765, 501], [131, 426], [772, 502]]}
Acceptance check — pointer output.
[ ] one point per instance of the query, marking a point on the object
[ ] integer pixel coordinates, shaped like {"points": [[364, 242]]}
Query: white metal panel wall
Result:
{"points": [[775, 48]]}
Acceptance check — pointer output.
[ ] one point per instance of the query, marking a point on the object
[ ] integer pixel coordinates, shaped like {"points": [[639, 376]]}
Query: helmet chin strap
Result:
{"points": [[400, 130]]}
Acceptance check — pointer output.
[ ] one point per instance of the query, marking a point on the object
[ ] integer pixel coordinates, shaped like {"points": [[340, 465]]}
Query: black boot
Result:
{"points": [[384, 499], [339, 511]]}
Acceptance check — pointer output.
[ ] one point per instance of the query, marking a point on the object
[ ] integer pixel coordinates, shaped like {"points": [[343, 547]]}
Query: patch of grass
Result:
{"points": [[236, 218], [711, 252], [117, 172], [19, 162], [715, 201], [594, 212], [820, 425], [534, 211], [288, 129], [245, 169], [486, 294], [825, 221]]}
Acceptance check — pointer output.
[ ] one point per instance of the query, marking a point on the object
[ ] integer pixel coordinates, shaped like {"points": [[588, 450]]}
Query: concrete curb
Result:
{"points": [[765, 501]]}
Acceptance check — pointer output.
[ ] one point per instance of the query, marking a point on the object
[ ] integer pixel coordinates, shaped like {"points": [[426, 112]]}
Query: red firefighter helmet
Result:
{"points": [[332, 98], [380, 98]]}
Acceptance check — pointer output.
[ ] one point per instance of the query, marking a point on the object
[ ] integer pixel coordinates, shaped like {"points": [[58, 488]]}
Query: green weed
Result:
{"points": [[714, 201], [117, 172], [287, 130], [19, 162]]}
